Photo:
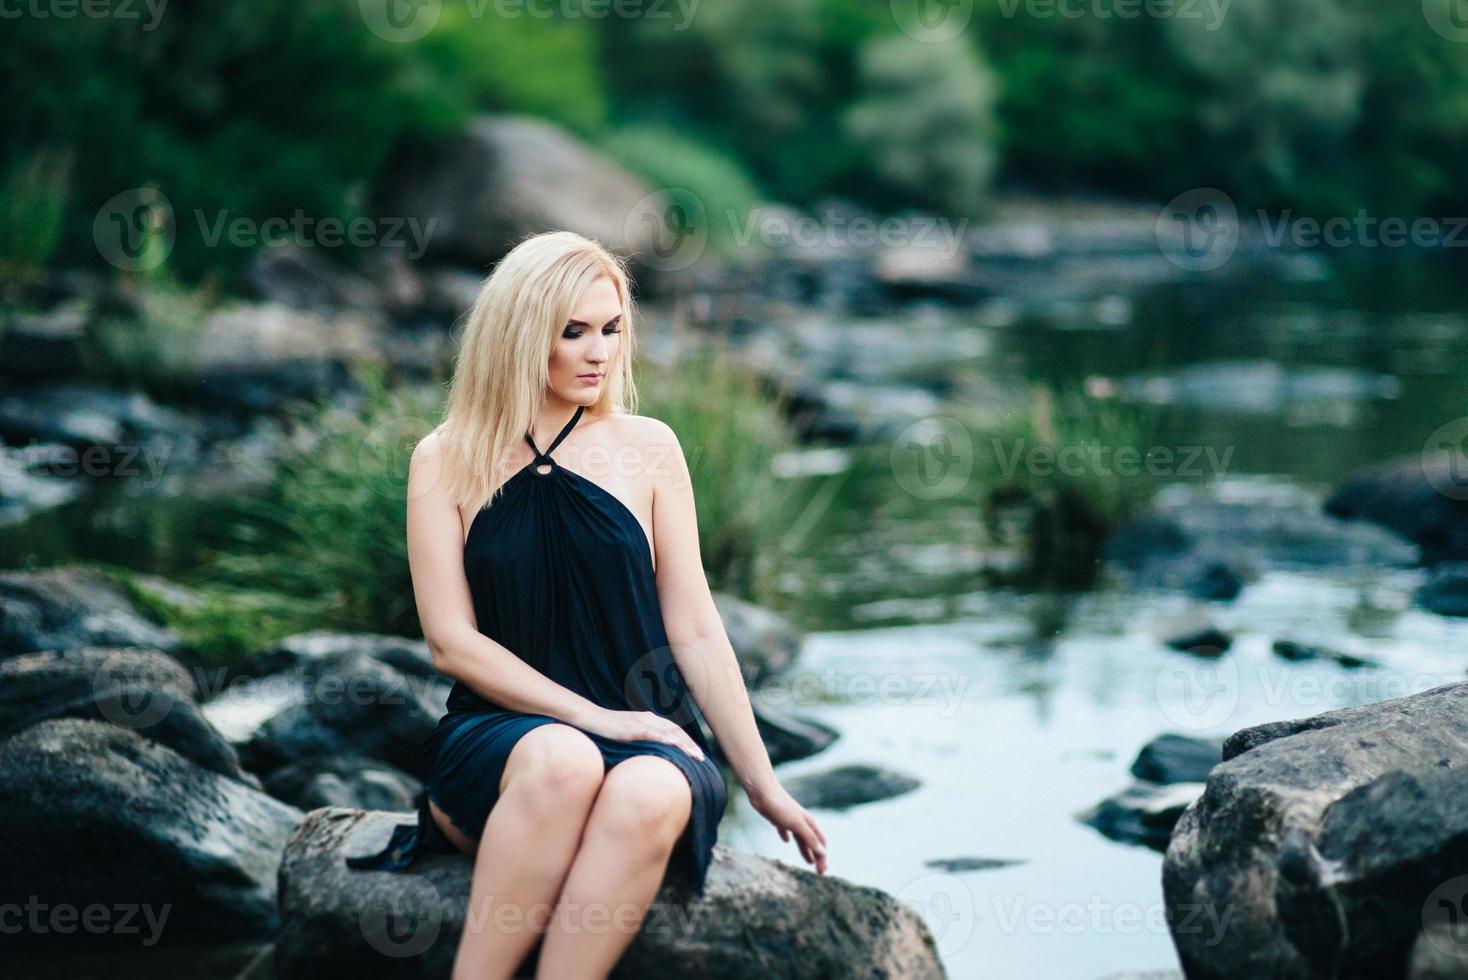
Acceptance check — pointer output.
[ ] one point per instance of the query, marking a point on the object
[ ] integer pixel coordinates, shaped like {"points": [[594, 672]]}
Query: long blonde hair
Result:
{"points": [[501, 373]]}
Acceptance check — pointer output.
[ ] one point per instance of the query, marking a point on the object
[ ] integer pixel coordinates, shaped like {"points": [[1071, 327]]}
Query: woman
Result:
{"points": [[565, 595]]}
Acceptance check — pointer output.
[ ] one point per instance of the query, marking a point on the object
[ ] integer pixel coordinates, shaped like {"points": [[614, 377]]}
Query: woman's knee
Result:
{"points": [[645, 798], [555, 766]]}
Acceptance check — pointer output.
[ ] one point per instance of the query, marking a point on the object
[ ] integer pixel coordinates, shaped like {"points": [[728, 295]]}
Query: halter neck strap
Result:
{"points": [[545, 456]]}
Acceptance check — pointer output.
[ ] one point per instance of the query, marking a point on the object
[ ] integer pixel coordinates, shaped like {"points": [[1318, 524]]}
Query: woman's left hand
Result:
{"points": [[789, 817]]}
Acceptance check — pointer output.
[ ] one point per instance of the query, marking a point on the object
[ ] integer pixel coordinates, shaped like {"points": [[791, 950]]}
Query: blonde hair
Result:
{"points": [[501, 373]]}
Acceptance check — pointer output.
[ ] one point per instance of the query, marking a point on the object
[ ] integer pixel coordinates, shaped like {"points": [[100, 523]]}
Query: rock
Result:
{"points": [[765, 642], [1245, 528], [756, 917], [24, 492], [1440, 952], [477, 193], [46, 344], [1210, 641], [321, 646], [95, 814], [343, 780], [1402, 495], [253, 356], [848, 786], [73, 606], [1157, 553], [81, 415], [1145, 538], [1257, 387], [1175, 758], [788, 736], [304, 279], [449, 293], [969, 863], [1446, 591], [1318, 844], [143, 691], [1216, 581], [355, 703], [1300, 652], [1143, 813]]}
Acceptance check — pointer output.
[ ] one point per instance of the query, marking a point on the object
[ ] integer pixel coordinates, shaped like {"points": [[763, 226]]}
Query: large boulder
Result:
{"points": [[475, 194], [756, 917], [765, 642], [96, 815], [1407, 496], [1322, 846], [142, 690], [380, 703], [72, 606]]}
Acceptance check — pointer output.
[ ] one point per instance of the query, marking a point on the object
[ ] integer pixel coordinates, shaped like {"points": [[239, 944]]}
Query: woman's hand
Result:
{"points": [[778, 807], [639, 726]]}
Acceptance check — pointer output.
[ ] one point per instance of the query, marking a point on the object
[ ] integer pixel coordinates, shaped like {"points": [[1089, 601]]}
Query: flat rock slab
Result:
{"points": [[757, 917]]}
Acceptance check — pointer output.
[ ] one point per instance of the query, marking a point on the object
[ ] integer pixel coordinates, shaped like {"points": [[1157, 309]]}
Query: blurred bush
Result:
{"points": [[249, 111], [924, 122]]}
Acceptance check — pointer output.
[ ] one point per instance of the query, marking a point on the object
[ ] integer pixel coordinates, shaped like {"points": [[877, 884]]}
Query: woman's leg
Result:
{"points": [[639, 814], [550, 782]]}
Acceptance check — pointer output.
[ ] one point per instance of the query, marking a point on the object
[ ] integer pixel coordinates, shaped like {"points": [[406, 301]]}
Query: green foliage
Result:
{"points": [[731, 430], [220, 626], [1285, 83], [250, 111], [723, 195], [1069, 501], [1091, 102], [155, 349], [32, 204], [924, 122], [522, 64]]}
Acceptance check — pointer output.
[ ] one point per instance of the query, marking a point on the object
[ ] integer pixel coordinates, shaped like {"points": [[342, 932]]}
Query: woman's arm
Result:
{"points": [[702, 650], [446, 608]]}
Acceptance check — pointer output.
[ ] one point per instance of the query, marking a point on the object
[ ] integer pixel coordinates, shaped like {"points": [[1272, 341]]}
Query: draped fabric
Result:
{"points": [[561, 574]]}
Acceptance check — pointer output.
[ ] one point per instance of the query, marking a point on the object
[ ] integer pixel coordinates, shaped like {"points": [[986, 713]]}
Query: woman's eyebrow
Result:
{"points": [[583, 323]]}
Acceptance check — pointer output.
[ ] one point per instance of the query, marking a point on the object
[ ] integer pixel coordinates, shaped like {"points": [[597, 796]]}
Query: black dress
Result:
{"points": [[561, 574]]}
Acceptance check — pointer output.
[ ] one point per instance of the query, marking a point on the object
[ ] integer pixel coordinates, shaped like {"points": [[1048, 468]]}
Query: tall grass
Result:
{"points": [[330, 527], [33, 199], [731, 429], [1054, 469]]}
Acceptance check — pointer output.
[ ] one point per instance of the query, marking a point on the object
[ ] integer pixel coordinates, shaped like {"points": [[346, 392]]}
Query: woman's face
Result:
{"points": [[588, 344]]}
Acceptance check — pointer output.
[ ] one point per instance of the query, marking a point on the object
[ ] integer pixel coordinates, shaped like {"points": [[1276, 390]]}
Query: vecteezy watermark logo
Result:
{"points": [[1211, 12], [385, 452], [1197, 694], [933, 458], [946, 905], [1449, 18], [778, 230], [1364, 230], [1445, 918], [1445, 460], [1082, 459], [135, 230], [305, 231], [933, 21], [127, 705], [90, 9], [403, 916], [400, 21], [1198, 231], [668, 229]]}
